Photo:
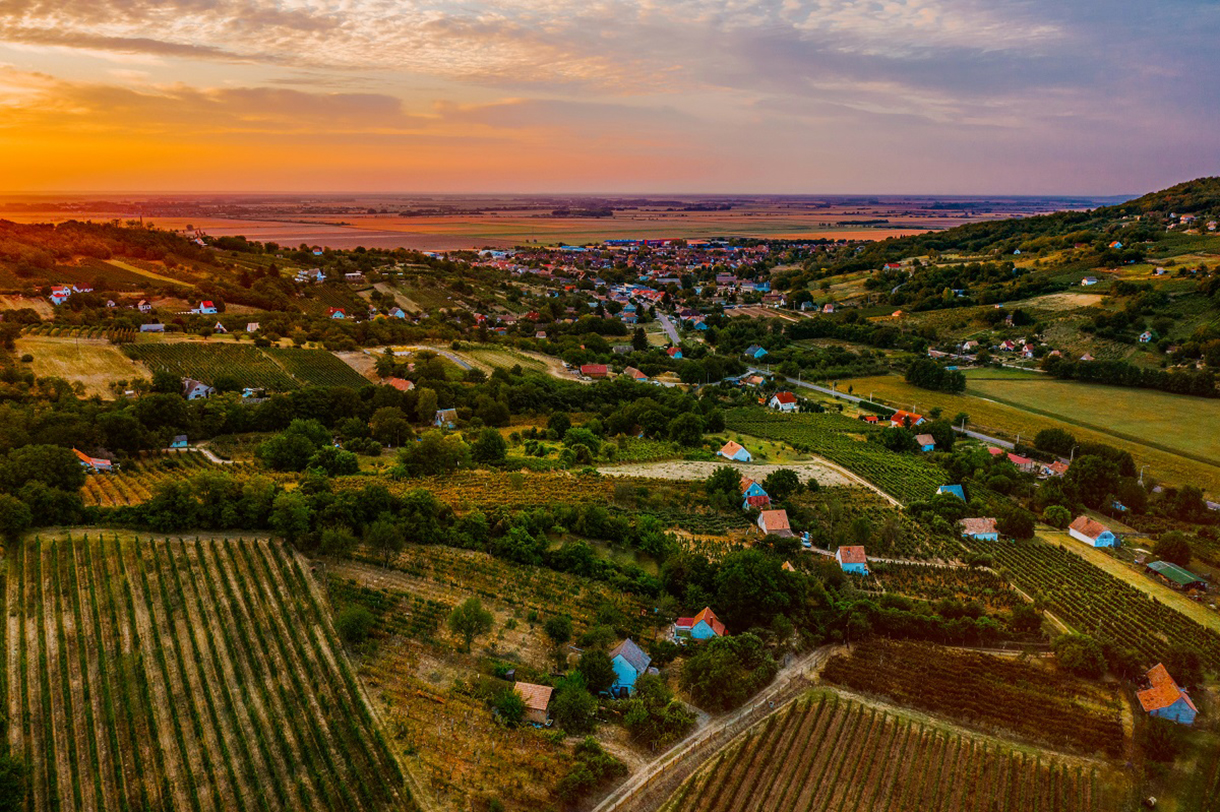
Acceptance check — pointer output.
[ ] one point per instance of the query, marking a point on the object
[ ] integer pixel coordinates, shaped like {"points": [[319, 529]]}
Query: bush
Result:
{"points": [[27, 358], [354, 624], [511, 707], [1080, 654], [1057, 516]]}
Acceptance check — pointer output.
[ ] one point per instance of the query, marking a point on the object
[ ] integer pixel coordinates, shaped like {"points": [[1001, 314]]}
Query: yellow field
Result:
{"points": [[93, 362], [146, 273]]}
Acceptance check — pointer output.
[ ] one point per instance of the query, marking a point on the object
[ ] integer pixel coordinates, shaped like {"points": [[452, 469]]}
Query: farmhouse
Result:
{"points": [[852, 559], [783, 401], [1091, 532], [336, 313], [634, 374], [774, 523], [902, 419], [401, 384], [594, 371], [445, 418], [734, 451], [753, 495], [179, 441], [952, 490], [1176, 577], [93, 464], [537, 699], [195, 390], [630, 663], [206, 308], [926, 442], [980, 529], [144, 306], [1165, 700], [702, 626], [754, 351]]}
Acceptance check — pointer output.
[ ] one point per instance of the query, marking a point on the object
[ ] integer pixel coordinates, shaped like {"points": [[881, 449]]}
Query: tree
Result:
{"points": [[389, 426], [723, 487], [49, 464], [597, 669], [782, 483], [1080, 654], [1091, 479], [490, 447], [435, 453], [559, 422], [354, 624], [510, 705], [1184, 665], [1057, 516], [425, 405], [470, 620], [15, 517], [334, 461], [639, 340], [572, 706], [900, 440], [14, 783], [383, 537], [559, 629], [1055, 441], [1173, 547], [1017, 523], [290, 514], [686, 429]]}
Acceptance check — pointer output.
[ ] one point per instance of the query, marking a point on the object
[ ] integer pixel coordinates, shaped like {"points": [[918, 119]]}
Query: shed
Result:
{"points": [[734, 451], [179, 441], [952, 490], [537, 699], [926, 442], [774, 523], [1177, 577]]}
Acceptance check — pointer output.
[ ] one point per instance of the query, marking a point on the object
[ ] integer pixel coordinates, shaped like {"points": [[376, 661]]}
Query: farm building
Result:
{"points": [[196, 390], [336, 313], [179, 441], [926, 442], [1091, 532], [702, 626], [445, 418], [1165, 700], [252, 327], [674, 352], [634, 374], [206, 308], [902, 419], [93, 463], [774, 523], [144, 306], [852, 559], [952, 490], [537, 699], [1176, 577], [754, 351], [980, 529], [594, 371], [753, 495], [630, 663], [735, 451], [152, 328], [783, 401], [401, 384]]}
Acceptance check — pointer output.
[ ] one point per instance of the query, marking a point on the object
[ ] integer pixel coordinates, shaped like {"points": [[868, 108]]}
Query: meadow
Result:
{"points": [[92, 362], [832, 753], [183, 675]]}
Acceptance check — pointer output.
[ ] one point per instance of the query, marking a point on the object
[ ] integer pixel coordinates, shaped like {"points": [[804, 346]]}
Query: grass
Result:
{"points": [[1008, 403], [94, 363], [146, 273]]}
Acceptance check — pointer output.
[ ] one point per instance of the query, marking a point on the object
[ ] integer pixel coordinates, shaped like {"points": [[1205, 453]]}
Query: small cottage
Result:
{"points": [[445, 418], [926, 442], [537, 700], [702, 626], [196, 390], [783, 401], [952, 490], [734, 451], [774, 523], [674, 352], [852, 559], [753, 495], [905, 420], [179, 441], [1165, 700], [754, 351], [630, 662], [401, 384], [1091, 532], [93, 464], [594, 371], [980, 529]]}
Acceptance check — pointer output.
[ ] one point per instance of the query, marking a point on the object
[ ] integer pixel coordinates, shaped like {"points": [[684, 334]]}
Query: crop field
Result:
{"points": [[485, 489], [893, 534], [1008, 420], [997, 695], [506, 358], [1094, 602], [905, 477], [830, 753], [93, 362], [939, 583], [183, 675], [278, 370], [136, 481]]}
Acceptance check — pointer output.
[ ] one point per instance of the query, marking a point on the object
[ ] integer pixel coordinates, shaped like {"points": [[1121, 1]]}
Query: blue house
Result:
{"points": [[702, 626], [927, 443], [1092, 532], [952, 490], [1165, 700], [852, 559], [734, 451], [179, 441], [753, 495], [630, 662], [980, 529], [754, 351]]}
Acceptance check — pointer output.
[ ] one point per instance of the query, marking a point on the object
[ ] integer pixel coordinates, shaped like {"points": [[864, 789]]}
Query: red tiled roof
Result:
{"points": [[852, 555], [710, 617], [400, 384], [898, 417], [774, 520], [537, 697], [730, 448], [974, 527], [1164, 691], [1090, 528], [593, 369], [785, 397]]}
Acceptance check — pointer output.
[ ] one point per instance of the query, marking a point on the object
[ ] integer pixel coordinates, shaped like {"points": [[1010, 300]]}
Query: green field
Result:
{"points": [[278, 370]]}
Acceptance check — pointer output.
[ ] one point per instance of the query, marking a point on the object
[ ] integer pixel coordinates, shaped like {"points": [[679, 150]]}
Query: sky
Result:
{"points": [[614, 96]]}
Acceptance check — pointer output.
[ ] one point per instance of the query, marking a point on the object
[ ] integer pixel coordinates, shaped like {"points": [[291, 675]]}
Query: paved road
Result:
{"points": [[668, 326]]}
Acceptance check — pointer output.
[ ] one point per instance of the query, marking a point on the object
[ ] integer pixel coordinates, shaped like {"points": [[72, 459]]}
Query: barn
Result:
{"points": [[1091, 532]]}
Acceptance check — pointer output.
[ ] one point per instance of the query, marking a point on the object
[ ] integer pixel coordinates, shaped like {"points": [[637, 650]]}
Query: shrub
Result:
{"points": [[354, 624]]}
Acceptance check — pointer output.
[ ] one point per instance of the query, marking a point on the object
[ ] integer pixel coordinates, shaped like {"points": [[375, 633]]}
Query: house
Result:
{"points": [[1165, 700], [336, 313], [219, 328], [630, 662], [1056, 468], [144, 306], [179, 441], [195, 390], [926, 442], [1089, 281], [93, 464], [1147, 336], [252, 327], [735, 451], [1087, 357], [60, 294], [401, 384], [754, 351], [397, 313], [753, 495], [828, 308], [537, 699], [1091, 532], [783, 401], [852, 559], [540, 335], [445, 418], [634, 374], [702, 626], [905, 420], [594, 371], [152, 328], [1176, 577], [206, 308], [952, 490], [674, 352], [980, 529], [774, 523], [314, 275]]}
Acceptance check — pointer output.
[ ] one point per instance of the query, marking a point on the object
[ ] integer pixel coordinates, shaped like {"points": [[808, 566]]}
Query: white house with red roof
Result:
{"points": [[734, 451], [1091, 532], [783, 401], [774, 523], [702, 626], [206, 308]]}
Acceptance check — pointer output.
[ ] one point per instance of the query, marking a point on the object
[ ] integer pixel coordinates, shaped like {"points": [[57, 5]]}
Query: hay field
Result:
{"points": [[93, 362]]}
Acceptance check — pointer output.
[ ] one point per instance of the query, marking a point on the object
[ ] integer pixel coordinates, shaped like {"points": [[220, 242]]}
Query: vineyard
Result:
{"points": [[187, 675], [514, 490], [905, 477], [1096, 603], [830, 753], [137, 480], [892, 533], [277, 370], [998, 695], [937, 583]]}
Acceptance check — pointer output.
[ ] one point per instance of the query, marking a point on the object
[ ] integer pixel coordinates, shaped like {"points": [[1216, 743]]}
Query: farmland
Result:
{"points": [[188, 675], [1094, 602], [135, 482], [829, 752], [277, 370], [988, 693], [839, 440], [939, 583], [93, 362]]}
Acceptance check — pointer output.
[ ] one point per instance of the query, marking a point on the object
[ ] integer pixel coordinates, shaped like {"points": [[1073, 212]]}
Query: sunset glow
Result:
{"points": [[940, 96]]}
